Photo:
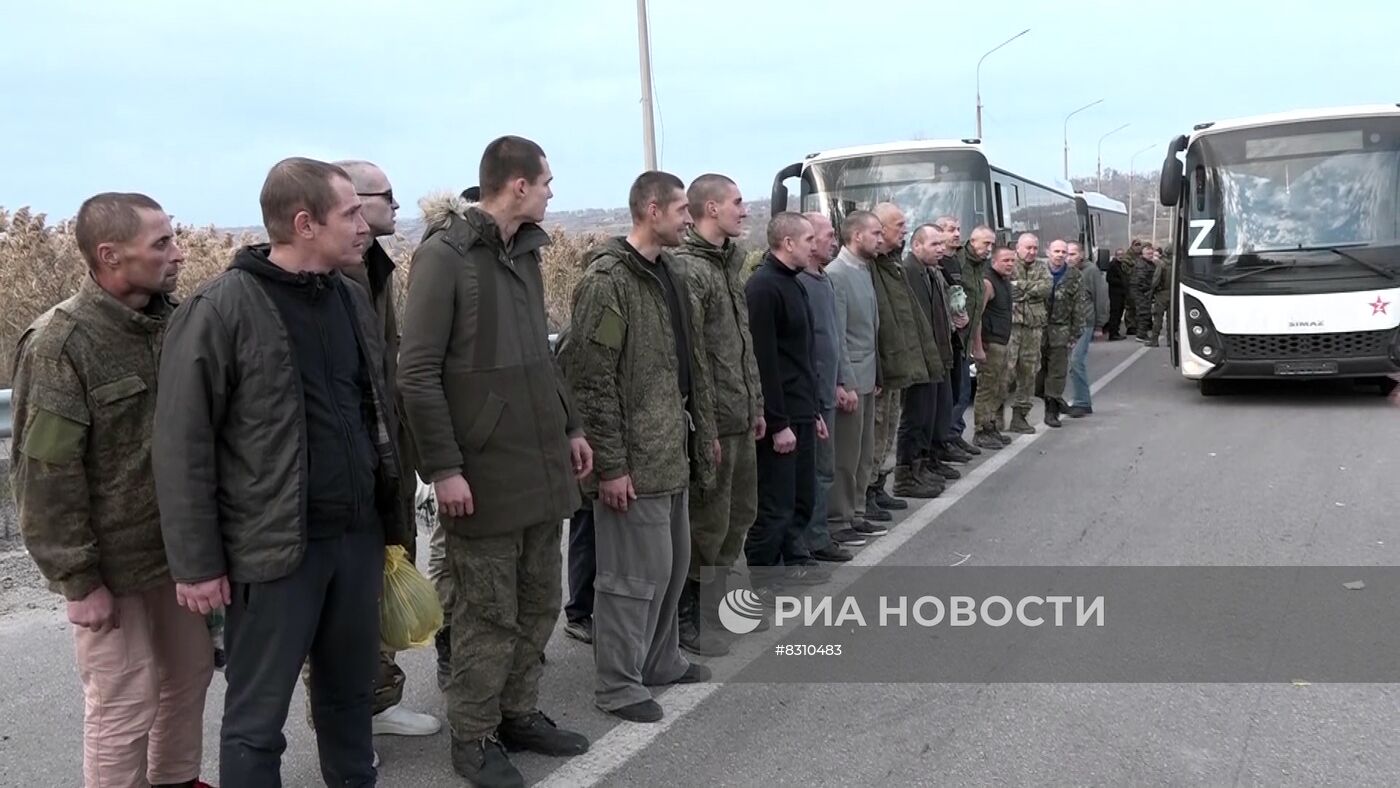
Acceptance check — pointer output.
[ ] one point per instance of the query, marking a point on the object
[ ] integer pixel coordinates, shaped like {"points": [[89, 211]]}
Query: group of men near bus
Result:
{"points": [[256, 447], [1139, 285]]}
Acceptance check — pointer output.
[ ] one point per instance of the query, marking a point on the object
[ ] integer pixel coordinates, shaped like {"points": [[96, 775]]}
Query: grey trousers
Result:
{"points": [[855, 454], [643, 555]]}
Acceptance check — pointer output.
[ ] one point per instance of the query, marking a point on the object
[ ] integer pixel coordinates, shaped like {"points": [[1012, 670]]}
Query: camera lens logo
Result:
{"points": [[740, 611]]}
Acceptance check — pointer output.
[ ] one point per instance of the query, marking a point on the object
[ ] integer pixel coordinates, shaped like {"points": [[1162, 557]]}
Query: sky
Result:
{"points": [[192, 102]]}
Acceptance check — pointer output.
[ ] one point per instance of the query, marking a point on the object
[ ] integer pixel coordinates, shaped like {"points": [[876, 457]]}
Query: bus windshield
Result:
{"points": [[925, 184], [1277, 191]]}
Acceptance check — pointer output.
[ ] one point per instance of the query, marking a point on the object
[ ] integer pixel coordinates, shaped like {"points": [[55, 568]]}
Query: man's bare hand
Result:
{"points": [[760, 427], [204, 598], [979, 355], [454, 496], [879, 390], [717, 452], [846, 401], [617, 493], [96, 611], [582, 455], [785, 441], [822, 433], [960, 321], [1098, 333]]}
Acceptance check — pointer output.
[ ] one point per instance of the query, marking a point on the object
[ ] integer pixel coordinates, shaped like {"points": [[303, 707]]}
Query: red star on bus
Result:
{"points": [[1378, 306]]}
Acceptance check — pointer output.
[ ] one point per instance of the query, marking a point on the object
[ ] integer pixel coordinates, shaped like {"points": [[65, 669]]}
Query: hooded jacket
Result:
{"points": [[483, 395], [619, 356]]}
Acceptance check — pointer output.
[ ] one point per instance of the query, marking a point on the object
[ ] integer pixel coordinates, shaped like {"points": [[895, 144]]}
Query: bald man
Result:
{"points": [[1030, 287], [375, 274], [908, 357]]}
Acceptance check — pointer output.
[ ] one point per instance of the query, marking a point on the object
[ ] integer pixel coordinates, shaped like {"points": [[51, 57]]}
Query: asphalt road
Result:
{"points": [[1268, 475]]}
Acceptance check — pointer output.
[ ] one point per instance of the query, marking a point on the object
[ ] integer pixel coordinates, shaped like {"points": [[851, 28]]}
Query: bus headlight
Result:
{"points": [[1200, 333]]}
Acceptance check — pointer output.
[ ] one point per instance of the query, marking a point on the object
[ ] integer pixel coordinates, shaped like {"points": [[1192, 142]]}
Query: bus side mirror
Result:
{"points": [[1105, 257], [1169, 187], [779, 196], [472, 194]]}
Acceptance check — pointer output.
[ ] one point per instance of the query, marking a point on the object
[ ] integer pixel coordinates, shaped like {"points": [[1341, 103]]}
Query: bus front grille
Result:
{"points": [[1350, 344]]}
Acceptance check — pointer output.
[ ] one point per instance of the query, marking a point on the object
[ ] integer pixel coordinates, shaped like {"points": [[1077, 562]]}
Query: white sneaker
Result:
{"points": [[398, 721]]}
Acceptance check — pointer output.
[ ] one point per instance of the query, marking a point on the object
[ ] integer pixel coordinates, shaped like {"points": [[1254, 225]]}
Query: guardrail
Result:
{"points": [[4, 414]]}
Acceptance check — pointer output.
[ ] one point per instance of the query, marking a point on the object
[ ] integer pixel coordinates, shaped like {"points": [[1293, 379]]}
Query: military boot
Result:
{"points": [[484, 763], [924, 470], [986, 438], [693, 635], [942, 470], [908, 484], [538, 733], [1019, 423], [883, 499], [1052, 412]]}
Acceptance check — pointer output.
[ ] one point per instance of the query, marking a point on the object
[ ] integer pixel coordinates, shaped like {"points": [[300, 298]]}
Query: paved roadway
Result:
{"points": [[1159, 475]]}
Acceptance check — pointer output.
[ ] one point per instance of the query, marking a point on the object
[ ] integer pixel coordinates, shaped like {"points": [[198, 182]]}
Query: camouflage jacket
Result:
{"points": [[1030, 286], [1143, 272], [717, 298], [1128, 268], [80, 459], [620, 360], [974, 273], [1066, 315]]}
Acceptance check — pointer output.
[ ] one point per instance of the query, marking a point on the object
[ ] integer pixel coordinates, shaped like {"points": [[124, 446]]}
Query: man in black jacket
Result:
{"points": [[276, 476], [781, 325]]}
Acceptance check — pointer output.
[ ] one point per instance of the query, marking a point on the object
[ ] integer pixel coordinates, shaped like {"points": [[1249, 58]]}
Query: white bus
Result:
{"points": [[933, 178], [1287, 239], [1103, 226]]}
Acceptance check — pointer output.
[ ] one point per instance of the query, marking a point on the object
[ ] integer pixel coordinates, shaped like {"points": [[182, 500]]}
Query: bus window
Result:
{"points": [[1001, 213]]}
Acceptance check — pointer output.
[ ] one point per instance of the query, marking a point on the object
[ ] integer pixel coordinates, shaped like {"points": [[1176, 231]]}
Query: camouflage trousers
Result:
{"points": [[992, 377], [1161, 302], [1130, 312], [887, 407], [1023, 355], [1054, 368], [720, 516], [506, 600]]}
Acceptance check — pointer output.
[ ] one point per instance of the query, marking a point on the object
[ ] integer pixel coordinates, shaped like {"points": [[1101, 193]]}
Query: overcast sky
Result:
{"points": [[192, 101]]}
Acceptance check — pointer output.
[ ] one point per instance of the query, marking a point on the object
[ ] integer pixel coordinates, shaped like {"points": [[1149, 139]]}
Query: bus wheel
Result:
{"points": [[1211, 387]]}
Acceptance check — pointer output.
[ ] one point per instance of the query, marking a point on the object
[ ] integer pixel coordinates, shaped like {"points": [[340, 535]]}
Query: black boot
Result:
{"points": [[443, 641], [484, 763], [537, 733], [693, 636], [873, 511], [1052, 412], [884, 499]]}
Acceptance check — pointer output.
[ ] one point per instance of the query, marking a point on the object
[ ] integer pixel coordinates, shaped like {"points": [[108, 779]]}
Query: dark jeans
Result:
{"points": [[786, 488], [583, 565], [942, 411], [328, 608], [916, 421], [1117, 300], [960, 379]]}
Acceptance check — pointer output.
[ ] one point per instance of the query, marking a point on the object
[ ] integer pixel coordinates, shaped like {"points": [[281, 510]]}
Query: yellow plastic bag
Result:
{"points": [[409, 612]]}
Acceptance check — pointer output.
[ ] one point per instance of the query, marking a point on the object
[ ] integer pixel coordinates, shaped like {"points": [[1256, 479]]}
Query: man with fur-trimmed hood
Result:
{"points": [[496, 437]]}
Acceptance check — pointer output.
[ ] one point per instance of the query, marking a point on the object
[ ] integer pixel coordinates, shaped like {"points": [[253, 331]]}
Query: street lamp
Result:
{"points": [[979, 76], [1099, 162], [644, 52], [1067, 117], [1131, 171]]}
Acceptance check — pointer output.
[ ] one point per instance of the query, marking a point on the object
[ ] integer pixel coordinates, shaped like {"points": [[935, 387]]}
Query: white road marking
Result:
{"points": [[627, 739]]}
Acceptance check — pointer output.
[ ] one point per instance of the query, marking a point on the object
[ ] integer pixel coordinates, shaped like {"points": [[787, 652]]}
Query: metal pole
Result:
{"points": [[1067, 117], [979, 76], [1099, 165], [1131, 171], [648, 122]]}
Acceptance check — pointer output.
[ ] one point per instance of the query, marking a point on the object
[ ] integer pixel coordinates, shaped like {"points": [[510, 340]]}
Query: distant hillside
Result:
{"points": [[1144, 190]]}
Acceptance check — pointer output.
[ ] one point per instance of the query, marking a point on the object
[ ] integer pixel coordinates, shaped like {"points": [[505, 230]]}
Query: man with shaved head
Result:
{"points": [[711, 263], [776, 549], [376, 275], [1065, 319], [907, 359], [826, 352], [857, 376], [1030, 287]]}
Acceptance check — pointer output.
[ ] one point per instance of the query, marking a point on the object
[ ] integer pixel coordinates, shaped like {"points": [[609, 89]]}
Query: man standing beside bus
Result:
{"points": [[1094, 303], [995, 365], [1065, 315], [1030, 288]]}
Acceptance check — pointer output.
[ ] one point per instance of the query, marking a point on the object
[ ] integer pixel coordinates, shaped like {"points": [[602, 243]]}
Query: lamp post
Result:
{"points": [[1098, 166], [1131, 172], [648, 122], [1067, 117], [979, 76]]}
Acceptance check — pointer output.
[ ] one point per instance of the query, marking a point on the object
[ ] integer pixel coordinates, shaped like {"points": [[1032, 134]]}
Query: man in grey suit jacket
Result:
{"points": [[858, 373]]}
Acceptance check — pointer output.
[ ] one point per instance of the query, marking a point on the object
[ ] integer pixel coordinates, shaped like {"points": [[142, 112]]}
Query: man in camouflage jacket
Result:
{"points": [[1030, 286], [80, 463], [636, 366], [1066, 316]]}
